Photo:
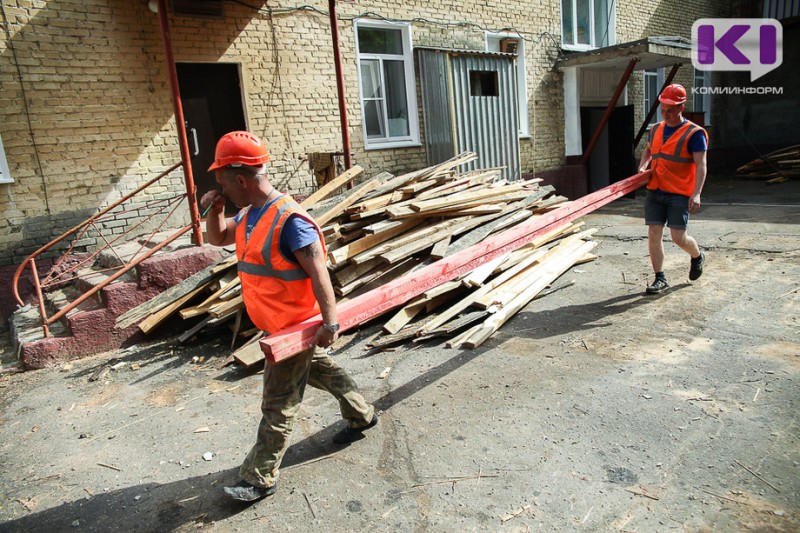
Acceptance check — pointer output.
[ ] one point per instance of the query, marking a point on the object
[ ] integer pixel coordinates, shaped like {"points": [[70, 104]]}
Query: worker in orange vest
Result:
{"points": [[677, 149], [285, 280]]}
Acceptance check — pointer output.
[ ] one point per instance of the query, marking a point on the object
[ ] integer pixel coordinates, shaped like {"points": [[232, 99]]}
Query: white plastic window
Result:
{"points": [[5, 174], [587, 24], [653, 80], [386, 84], [701, 101]]}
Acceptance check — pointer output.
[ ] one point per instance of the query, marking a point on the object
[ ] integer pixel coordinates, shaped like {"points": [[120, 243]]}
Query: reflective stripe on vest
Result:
{"points": [[266, 269], [681, 141], [673, 167], [276, 290]]}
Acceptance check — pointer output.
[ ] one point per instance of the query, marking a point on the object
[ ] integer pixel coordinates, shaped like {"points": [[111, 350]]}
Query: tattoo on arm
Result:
{"points": [[311, 251]]}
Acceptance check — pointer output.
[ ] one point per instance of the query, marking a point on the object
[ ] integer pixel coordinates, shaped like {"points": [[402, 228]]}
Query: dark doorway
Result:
{"points": [[613, 158], [211, 94]]}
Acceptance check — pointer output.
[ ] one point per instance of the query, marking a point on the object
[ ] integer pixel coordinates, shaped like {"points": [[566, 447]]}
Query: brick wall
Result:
{"points": [[91, 117]]}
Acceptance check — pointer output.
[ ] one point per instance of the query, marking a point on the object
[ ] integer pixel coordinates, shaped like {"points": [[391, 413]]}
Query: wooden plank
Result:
{"points": [[458, 323], [512, 212], [227, 307], [148, 324], [250, 353], [415, 235], [470, 299], [294, 339], [417, 245], [340, 255], [405, 315], [339, 208], [374, 203], [464, 198], [132, 316], [440, 248], [404, 213], [352, 272], [380, 273], [480, 274], [552, 270], [328, 188]]}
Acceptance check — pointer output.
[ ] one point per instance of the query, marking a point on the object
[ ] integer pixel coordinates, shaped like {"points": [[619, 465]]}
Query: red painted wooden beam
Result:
{"points": [[292, 340]]}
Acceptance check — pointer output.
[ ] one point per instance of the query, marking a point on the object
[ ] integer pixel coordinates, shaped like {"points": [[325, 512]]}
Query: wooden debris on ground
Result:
{"points": [[388, 226], [776, 167]]}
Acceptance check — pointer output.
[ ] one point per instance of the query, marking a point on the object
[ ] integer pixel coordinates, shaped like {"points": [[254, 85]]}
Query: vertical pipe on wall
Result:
{"points": [[180, 123], [337, 62]]}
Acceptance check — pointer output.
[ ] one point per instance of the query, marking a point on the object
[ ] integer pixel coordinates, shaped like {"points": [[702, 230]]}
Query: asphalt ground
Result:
{"points": [[596, 408]]}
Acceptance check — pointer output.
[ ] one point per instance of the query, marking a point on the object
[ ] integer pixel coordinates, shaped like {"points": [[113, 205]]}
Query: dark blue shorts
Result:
{"points": [[666, 208]]}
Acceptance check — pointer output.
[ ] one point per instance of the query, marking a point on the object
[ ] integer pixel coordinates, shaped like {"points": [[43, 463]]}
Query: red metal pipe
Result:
{"points": [[283, 344], [653, 107], [337, 63], [88, 294], [40, 296], [18, 273], [610, 109], [180, 123]]}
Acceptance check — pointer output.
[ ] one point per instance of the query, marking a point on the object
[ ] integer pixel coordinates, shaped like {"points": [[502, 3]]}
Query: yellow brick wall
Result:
{"points": [[99, 120]]}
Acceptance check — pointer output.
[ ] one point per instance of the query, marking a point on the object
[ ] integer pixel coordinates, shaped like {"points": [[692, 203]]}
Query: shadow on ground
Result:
{"points": [[146, 507]]}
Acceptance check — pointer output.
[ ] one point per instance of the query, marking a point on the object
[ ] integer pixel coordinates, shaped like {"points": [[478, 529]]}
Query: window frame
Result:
{"points": [[612, 26], [413, 137], [5, 172], [660, 76], [705, 98], [492, 44]]}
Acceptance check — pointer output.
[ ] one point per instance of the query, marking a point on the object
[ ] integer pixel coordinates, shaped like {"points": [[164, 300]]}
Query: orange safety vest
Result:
{"points": [[277, 292], [673, 168]]}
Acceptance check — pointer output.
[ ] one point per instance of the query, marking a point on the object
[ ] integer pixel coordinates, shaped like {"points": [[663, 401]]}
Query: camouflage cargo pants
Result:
{"points": [[284, 385]]}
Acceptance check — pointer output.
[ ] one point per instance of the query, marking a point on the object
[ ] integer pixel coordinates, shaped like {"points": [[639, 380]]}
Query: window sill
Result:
{"points": [[391, 145], [577, 47], [3, 181]]}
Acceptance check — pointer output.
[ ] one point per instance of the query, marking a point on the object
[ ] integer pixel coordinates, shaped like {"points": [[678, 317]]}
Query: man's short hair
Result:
{"points": [[249, 172]]}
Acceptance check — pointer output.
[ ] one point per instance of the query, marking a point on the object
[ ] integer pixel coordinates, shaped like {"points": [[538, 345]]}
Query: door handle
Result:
{"points": [[196, 144]]}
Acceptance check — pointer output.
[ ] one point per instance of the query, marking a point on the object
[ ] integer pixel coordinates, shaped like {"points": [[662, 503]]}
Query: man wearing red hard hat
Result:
{"points": [[285, 280], [677, 150]]}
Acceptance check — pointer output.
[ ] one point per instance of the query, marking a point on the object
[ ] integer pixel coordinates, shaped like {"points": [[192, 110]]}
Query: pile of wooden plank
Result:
{"points": [[389, 226], [776, 167]]}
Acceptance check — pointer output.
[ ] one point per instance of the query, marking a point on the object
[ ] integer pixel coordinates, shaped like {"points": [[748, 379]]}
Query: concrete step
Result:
{"points": [[26, 328], [94, 276], [58, 299]]}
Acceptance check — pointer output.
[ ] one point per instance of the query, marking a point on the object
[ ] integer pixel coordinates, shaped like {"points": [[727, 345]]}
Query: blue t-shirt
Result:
{"points": [[297, 232], [697, 142]]}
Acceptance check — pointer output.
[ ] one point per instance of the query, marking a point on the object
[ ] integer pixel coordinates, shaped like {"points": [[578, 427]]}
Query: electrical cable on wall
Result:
{"points": [[371, 14], [27, 109]]}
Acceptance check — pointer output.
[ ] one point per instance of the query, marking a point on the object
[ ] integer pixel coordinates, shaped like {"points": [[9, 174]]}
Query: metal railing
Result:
{"points": [[61, 272]]}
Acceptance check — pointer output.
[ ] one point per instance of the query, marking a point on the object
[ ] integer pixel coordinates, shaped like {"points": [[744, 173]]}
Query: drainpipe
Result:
{"points": [[337, 63], [180, 122]]}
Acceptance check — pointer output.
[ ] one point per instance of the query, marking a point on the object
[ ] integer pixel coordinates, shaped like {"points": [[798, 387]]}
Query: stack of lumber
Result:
{"points": [[776, 167], [389, 226]]}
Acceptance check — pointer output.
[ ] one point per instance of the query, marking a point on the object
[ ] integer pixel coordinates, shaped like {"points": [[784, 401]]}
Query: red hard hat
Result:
{"points": [[239, 148], [673, 94]]}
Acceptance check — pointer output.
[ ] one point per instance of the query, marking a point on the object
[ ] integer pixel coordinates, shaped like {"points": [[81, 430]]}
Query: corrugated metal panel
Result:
{"points": [[781, 9], [487, 125], [437, 118]]}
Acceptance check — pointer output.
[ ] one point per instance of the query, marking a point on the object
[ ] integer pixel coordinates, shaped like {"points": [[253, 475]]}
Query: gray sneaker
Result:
{"points": [[658, 286], [246, 492]]}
